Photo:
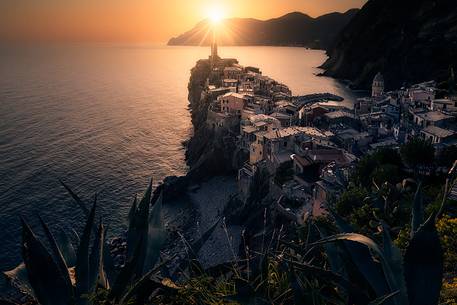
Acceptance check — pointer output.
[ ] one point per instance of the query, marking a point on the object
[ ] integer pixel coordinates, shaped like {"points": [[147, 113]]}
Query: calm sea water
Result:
{"points": [[105, 120]]}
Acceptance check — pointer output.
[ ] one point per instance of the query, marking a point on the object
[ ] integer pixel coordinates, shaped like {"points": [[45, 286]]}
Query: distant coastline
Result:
{"points": [[294, 30]]}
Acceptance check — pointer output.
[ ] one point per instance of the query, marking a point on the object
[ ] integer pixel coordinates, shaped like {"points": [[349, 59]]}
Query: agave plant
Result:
{"points": [[64, 275], [60, 274], [414, 278]]}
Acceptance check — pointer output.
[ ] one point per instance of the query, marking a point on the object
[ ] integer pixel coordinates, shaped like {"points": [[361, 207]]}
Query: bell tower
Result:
{"points": [[377, 88], [214, 55]]}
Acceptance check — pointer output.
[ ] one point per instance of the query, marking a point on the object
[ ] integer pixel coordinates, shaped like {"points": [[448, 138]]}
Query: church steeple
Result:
{"points": [[214, 55], [377, 88]]}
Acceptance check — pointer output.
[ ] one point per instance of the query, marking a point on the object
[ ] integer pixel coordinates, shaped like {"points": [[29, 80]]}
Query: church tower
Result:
{"points": [[214, 55], [377, 88]]}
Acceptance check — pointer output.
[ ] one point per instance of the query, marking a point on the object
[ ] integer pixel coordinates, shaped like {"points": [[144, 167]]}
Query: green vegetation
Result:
{"points": [[391, 242]]}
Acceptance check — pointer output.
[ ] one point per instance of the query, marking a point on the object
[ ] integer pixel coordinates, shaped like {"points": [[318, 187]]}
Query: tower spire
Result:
{"points": [[214, 55]]}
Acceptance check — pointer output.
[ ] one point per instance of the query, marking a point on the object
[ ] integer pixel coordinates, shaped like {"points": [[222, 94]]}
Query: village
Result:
{"points": [[309, 144]]}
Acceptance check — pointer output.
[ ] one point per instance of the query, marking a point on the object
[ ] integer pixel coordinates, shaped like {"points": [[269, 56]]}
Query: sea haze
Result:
{"points": [[105, 120]]}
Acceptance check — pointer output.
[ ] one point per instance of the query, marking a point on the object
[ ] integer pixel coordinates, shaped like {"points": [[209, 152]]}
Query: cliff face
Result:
{"points": [[291, 29], [408, 41], [207, 154]]}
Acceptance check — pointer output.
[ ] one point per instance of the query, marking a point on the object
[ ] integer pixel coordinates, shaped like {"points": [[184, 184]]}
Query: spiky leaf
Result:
{"points": [[384, 299], [389, 277], [108, 262], [424, 265], [96, 259], [156, 236], [137, 236], [49, 286], [82, 259], [126, 275], [58, 257], [66, 248], [76, 198], [395, 260], [417, 212], [362, 259]]}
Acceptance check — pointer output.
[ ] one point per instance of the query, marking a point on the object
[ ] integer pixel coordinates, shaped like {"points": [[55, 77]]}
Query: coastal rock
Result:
{"points": [[408, 41]]}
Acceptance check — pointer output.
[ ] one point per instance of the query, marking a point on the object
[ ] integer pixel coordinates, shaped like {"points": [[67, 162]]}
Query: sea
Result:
{"points": [[106, 120]]}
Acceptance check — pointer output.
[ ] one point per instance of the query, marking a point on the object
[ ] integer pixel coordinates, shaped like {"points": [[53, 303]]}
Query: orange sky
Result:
{"points": [[136, 21]]}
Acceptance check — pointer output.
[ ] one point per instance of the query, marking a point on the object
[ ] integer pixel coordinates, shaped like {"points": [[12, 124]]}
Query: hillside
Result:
{"points": [[408, 41], [291, 29]]}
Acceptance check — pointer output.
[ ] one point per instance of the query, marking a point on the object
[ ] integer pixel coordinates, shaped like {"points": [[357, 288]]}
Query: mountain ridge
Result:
{"points": [[316, 32], [407, 41]]}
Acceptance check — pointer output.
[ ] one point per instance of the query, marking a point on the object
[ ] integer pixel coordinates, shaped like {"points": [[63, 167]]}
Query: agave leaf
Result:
{"points": [[19, 279], [75, 198], [333, 255], [395, 260], [370, 244], [75, 236], [133, 209], [126, 275], [156, 235], [58, 257], [82, 259], [362, 258], [417, 212], [424, 265], [138, 231], [382, 300], [66, 248], [108, 262], [49, 287], [96, 259]]}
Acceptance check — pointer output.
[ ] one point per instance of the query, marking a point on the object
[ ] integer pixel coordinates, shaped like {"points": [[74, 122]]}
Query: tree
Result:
{"points": [[384, 162], [417, 153]]}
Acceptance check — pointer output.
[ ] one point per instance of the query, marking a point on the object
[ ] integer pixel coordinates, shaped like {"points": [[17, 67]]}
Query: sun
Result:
{"points": [[215, 15]]}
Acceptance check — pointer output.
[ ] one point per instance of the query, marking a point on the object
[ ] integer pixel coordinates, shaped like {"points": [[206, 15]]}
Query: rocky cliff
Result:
{"points": [[408, 41], [207, 153], [291, 29]]}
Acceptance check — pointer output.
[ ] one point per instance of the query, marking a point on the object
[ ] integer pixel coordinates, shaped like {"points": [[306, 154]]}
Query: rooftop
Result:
{"points": [[339, 114], [234, 94], [433, 116], [385, 143], [331, 155], [438, 132], [237, 69], [249, 129], [280, 115]]}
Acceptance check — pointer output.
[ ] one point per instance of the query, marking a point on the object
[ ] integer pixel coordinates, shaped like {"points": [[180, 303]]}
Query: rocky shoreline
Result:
{"points": [[196, 201]]}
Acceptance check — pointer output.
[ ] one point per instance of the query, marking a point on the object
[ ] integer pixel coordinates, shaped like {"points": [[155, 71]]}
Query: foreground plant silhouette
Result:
{"points": [[343, 268]]}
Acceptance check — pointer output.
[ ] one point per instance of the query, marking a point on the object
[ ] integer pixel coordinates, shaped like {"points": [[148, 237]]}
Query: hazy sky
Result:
{"points": [[138, 21]]}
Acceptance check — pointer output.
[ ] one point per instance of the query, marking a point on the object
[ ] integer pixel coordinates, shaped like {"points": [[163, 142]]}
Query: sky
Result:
{"points": [[136, 21]]}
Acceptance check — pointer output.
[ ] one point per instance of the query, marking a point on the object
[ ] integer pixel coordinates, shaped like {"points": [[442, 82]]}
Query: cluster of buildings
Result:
{"points": [[309, 144]]}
